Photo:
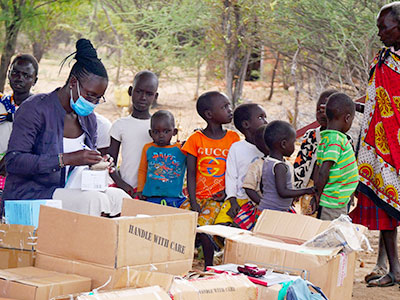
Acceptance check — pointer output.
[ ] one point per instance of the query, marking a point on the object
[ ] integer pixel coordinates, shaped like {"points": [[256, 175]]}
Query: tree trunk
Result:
{"points": [[296, 88], [38, 50], [198, 77], [8, 50], [229, 77], [118, 74], [118, 39], [271, 91], [285, 77], [239, 81], [262, 61]]}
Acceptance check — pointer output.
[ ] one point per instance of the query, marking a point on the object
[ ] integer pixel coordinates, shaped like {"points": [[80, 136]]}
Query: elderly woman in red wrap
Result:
{"points": [[378, 205]]}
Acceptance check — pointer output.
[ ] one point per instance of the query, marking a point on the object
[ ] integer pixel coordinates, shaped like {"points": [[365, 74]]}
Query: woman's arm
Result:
{"points": [[20, 158]]}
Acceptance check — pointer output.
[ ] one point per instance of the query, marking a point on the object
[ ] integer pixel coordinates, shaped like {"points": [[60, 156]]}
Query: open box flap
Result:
{"points": [[222, 231], [258, 241], [131, 207], [245, 236], [289, 225]]}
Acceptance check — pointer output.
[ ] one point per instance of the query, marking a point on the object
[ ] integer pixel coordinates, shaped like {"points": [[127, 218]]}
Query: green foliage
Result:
{"points": [[55, 18], [337, 38], [237, 29], [160, 35]]}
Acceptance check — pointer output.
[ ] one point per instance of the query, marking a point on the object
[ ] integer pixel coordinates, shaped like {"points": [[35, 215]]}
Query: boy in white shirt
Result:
{"points": [[103, 133], [132, 132], [247, 119]]}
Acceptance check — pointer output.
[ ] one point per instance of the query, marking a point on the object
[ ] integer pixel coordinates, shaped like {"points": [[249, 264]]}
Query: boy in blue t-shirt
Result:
{"points": [[162, 166]]}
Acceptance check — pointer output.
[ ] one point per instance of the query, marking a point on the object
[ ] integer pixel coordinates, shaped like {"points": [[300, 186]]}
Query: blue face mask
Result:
{"points": [[81, 106]]}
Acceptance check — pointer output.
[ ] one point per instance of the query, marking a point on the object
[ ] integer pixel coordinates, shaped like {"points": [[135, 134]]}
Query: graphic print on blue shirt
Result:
{"points": [[165, 172]]}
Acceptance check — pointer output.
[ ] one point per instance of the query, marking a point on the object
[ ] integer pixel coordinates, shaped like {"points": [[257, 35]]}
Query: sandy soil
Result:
{"points": [[364, 264], [177, 96]]}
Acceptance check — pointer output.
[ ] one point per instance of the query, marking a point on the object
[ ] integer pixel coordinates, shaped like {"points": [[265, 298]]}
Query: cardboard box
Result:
{"points": [[17, 244], [13, 258], [268, 292], [20, 237], [32, 283], [26, 212], [107, 277], [223, 286], [275, 243], [94, 180], [163, 234], [149, 293]]}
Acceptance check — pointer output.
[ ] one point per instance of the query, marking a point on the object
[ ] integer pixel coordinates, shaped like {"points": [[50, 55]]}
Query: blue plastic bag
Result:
{"points": [[299, 290]]}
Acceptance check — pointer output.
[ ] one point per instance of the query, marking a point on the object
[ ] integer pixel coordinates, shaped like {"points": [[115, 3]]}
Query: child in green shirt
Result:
{"points": [[336, 163]]}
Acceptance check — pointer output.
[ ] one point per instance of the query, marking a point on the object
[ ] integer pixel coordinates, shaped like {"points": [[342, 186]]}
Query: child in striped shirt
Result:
{"points": [[336, 163]]}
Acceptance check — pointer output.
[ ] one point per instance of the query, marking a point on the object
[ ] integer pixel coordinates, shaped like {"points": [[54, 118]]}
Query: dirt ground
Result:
{"points": [[177, 96]]}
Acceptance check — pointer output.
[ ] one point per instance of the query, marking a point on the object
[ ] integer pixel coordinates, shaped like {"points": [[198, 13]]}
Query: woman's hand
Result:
{"points": [[111, 165], [81, 158]]}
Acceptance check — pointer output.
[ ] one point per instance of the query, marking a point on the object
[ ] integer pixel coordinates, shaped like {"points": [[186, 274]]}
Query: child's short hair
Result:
{"points": [[325, 94], [276, 131], [28, 58], [205, 102], [242, 113], [339, 104], [145, 74], [162, 114]]}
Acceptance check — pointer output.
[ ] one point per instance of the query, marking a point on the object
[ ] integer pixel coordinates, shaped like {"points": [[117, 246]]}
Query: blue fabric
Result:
{"points": [[25, 212], [283, 290], [35, 142], [10, 107], [165, 172], [174, 202], [299, 290]]}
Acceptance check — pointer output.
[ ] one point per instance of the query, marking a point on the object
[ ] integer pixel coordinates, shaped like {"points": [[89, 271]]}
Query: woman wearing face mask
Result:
{"points": [[54, 136]]}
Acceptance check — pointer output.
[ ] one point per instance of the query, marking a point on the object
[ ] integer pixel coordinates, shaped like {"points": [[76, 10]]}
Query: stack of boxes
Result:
{"points": [[148, 237]]}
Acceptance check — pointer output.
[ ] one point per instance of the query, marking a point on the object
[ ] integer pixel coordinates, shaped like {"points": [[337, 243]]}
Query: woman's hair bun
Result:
{"points": [[85, 50], [86, 60]]}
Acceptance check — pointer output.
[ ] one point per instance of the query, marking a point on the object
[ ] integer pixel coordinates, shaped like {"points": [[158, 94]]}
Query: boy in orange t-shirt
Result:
{"points": [[207, 151]]}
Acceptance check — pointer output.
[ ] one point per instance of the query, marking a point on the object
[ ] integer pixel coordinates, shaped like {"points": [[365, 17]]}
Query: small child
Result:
{"points": [[304, 164], [162, 166], [278, 193], [252, 184], [247, 119], [336, 163], [207, 151], [132, 132]]}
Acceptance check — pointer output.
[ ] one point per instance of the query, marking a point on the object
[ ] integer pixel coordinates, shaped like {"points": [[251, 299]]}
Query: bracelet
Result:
{"points": [[61, 160]]}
